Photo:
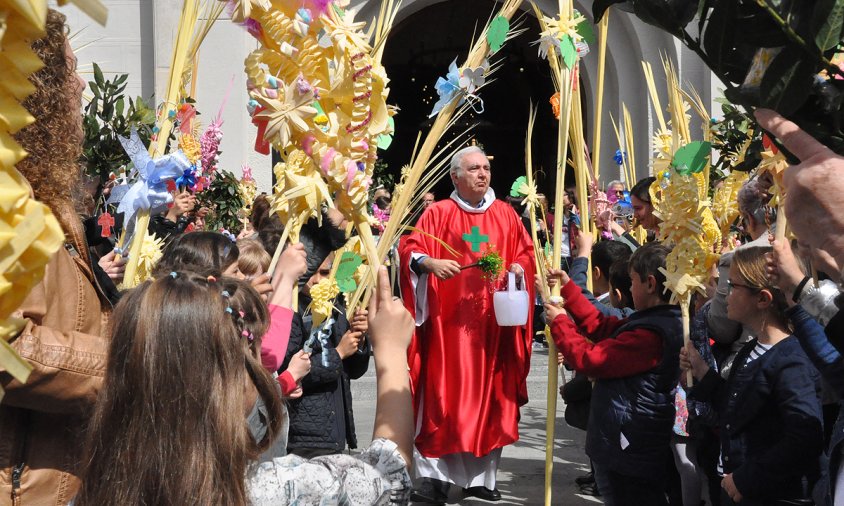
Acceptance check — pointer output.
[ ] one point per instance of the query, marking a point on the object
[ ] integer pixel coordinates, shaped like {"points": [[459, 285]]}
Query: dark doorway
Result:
{"points": [[419, 51]]}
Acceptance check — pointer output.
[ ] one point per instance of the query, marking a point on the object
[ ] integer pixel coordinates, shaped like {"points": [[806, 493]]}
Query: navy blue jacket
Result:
{"points": [[323, 417], [816, 342], [631, 419], [578, 274], [771, 423]]}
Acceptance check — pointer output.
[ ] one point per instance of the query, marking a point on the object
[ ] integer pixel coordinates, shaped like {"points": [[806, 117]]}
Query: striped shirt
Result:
{"points": [[758, 351]]}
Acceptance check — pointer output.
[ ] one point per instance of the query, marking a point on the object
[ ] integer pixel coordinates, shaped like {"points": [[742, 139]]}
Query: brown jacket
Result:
{"points": [[42, 422]]}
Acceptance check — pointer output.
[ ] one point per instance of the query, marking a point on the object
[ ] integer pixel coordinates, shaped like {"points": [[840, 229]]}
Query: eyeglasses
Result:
{"points": [[731, 285]]}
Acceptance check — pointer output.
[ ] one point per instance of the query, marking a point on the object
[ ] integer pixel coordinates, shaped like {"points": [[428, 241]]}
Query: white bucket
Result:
{"points": [[511, 305]]}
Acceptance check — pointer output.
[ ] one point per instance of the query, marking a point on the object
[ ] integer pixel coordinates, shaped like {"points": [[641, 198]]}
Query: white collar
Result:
{"points": [[489, 198]]}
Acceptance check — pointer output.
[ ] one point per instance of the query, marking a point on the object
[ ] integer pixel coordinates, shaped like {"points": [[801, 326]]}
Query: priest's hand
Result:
{"points": [[518, 271], [441, 268]]}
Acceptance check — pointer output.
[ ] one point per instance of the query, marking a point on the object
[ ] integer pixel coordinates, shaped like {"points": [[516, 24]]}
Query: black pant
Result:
{"points": [[632, 491]]}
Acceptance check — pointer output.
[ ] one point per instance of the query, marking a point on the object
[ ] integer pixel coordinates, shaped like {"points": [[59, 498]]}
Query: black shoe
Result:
{"points": [[417, 497], [590, 489], [585, 479], [429, 492], [483, 493]]}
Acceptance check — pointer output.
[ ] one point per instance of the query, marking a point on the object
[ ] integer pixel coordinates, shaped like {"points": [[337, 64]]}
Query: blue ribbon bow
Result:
{"points": [[620, 156], [149, 192], [187, 179], [447, 88]]}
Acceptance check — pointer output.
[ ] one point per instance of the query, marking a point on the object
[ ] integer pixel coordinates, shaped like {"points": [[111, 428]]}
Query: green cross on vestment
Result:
{"points": [[476, 238]]}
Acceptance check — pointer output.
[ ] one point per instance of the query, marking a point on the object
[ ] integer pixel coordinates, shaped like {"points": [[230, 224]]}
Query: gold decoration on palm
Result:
{"points": [[318, 86]]}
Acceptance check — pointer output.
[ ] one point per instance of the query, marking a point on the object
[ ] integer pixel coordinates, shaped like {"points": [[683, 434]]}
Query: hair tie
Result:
{"points": [[799, 290], [229, 310], [225, 293], [211, 279], [242, 314], [174, 274]]}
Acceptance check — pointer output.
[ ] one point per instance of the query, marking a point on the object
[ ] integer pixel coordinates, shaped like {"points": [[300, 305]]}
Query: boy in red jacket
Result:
{"points": [[635, 363]]}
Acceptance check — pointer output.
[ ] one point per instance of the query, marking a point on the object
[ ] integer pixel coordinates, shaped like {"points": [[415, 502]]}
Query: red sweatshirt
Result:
{"points": [[629, 353], [274, 345]]}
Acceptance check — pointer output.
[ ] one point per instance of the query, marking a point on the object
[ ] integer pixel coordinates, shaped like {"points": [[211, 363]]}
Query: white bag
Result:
{"points": [[511, 305]]}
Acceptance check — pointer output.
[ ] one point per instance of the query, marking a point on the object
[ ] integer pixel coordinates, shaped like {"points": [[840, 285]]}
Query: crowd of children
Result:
{"points": [[754, 426], [203, 385]]}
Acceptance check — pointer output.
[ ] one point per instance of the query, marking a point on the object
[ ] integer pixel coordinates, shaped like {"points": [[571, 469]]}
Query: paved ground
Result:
{"points": [[521, 475]]}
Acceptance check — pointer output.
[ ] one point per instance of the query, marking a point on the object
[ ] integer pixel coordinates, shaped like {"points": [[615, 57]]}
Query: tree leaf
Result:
{"points": [[827, 20], [719, 34], [787, 81], [98, 76], [568, 51], [496, 34], [691, 157]]}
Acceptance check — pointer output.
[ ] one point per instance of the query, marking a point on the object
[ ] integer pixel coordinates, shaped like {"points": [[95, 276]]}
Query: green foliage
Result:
{"points": [[729, 135], [491, 264], [223, 200], [799, 79], [106, 117], [381, 176]]}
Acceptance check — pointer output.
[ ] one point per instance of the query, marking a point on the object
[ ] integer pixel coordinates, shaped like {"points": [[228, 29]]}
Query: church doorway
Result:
{"points": [[420, 49]]}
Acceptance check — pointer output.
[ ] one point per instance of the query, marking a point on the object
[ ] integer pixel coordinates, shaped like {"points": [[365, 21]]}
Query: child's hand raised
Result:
{"points": [[390, 325], [583, 242], [558, 276]]}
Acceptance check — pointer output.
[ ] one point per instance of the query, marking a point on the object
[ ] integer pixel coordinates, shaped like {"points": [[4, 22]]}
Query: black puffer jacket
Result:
{"points": [[322, 418]]}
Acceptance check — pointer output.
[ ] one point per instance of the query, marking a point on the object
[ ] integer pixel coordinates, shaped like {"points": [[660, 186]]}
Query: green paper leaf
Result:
{"points": [[384, 140], [496, 34], [568, 52], [691, 157], [587, 31], [349, 262], [514, 190]]}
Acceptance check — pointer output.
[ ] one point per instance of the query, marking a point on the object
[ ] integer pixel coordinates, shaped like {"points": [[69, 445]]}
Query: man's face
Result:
{"points": [[617, 190], [427, 200], [473, 180]]}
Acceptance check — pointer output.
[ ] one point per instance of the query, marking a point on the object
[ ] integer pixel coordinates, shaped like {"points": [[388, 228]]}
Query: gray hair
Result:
{"points": [[457, 159], [753, 198], [615, 182]]}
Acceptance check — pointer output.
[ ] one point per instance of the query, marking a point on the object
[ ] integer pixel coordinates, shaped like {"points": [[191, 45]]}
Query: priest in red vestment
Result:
{"points": [[468, 374]]}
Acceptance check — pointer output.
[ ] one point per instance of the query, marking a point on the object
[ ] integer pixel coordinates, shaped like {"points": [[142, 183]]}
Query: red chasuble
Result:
{"points": [[468, 375]]}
